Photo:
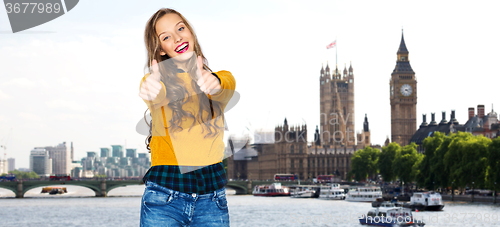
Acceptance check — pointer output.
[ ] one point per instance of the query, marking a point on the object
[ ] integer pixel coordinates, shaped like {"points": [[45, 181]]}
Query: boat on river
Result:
{"points": [[389, 215], [332, 191], [274, 189], [304, 191], [429, 201], [57, 190], [364, 194]]}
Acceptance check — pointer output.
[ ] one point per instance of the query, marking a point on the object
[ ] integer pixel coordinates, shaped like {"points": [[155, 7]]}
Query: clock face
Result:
{"points": [[322, 82], [350, 81], [392, 90], [406, 90]]}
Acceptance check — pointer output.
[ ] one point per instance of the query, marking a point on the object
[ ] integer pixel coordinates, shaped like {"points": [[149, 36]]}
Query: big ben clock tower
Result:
{"points": [[403, 96]]}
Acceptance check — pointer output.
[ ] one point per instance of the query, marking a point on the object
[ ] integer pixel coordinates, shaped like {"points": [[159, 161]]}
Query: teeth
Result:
{"points": [[181, 47]]}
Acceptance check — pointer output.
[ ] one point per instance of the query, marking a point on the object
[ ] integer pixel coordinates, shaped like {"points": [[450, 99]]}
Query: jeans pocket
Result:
{"points": [[221, 201], [154, 197]]}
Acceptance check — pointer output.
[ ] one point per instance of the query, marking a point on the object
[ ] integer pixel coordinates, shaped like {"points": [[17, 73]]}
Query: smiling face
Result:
{"points": [[176, 40]]}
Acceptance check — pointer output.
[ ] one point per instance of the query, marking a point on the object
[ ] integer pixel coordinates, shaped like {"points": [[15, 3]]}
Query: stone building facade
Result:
{"points": [[290, 153]]}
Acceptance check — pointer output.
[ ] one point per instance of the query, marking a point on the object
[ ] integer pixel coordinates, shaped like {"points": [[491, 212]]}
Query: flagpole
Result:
{"points": [[335, 52]]}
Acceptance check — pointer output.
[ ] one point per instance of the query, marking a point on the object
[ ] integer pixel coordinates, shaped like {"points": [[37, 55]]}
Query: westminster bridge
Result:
{"points": [[101, 187]]}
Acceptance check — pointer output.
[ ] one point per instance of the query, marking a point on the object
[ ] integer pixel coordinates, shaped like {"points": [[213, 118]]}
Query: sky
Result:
{"points": [[76, 78]]}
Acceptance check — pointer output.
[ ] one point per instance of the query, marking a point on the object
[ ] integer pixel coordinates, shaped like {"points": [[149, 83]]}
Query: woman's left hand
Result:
{"points": [[208, 83]]}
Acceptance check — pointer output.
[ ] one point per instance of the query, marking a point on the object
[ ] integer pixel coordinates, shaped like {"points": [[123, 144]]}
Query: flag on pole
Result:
{"points": [[331, 45]]}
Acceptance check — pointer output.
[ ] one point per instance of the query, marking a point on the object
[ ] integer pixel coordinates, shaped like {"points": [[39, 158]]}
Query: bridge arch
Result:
{"points": [[114, 186], [94, 188], [85, 193], [9, 187], [240, 189]]}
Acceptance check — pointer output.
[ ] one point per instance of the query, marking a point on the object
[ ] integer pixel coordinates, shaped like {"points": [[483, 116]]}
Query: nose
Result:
{"points": [[177, 38]]}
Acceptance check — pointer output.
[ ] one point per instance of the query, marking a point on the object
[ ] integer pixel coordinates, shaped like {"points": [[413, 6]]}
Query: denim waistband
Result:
{"points": [[214, 194]]}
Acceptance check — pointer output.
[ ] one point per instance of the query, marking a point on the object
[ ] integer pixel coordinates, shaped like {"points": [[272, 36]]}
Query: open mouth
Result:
{"points": [[182, 48]]}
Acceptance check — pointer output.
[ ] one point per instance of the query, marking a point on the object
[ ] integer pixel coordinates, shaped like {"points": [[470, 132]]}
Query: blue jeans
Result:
{"points": [[161, 206]]}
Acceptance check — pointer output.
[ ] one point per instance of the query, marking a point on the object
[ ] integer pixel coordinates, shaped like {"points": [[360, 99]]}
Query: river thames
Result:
{"points": [[79, 207]]}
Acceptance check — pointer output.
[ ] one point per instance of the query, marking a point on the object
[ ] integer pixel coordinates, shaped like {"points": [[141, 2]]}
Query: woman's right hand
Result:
{"points": [[151, 87]]}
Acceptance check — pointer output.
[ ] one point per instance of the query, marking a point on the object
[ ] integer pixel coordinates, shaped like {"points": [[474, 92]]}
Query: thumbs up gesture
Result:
{"points": [[151, 87], [208, 83]]}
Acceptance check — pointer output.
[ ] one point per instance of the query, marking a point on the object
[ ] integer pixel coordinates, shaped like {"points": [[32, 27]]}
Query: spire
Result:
{"points": [[365, 124], [317, 139], [322, 70], [403, 61], [387, 141], [286, 123], [345, 69], [327, 67], [337, 72], [350, 67], [402, 45]]}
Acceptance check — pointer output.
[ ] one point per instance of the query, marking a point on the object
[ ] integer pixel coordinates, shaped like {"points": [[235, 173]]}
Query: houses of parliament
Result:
{"points": [[334, 141]]}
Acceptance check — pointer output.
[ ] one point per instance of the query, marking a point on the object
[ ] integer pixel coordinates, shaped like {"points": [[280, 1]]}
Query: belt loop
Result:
{"points": [[215, 195]]}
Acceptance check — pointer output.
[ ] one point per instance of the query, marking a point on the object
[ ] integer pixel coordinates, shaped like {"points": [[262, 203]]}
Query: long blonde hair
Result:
{"points": [[176, 89]]}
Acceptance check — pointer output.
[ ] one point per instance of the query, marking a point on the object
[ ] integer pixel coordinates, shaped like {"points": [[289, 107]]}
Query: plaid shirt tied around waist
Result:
{"points": [[201, 180]]}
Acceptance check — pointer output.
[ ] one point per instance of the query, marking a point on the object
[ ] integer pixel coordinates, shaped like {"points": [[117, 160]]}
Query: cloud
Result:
{"points": [[66, 104], [30, 116], [4, 96], [79, 117], [3, 118], [20, 82], [65, 81]]}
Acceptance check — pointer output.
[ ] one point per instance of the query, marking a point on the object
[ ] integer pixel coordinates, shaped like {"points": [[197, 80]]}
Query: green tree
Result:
{"points": [[364, 163], [405, 161], [23, 175], [425, 176], [467, 159], [386, 160], [415, 169], [494, 163], [440, 173]]}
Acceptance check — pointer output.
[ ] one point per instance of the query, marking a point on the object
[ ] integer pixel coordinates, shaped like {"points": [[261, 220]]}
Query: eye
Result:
{"points": [[166, 37], [181, 28]]}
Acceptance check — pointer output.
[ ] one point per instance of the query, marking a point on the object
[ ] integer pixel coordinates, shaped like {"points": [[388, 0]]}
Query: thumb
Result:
{"points": [[155, 70], [200, 67]]}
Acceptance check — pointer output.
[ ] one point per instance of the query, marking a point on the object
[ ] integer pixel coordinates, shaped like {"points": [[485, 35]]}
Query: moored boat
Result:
{"points": [[274, 189], [364, 194], [304, 191], [332, 191], [429, 201]]}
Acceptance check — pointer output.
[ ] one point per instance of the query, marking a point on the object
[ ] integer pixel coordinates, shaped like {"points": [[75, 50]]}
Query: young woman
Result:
{"points": [[185, 184]]}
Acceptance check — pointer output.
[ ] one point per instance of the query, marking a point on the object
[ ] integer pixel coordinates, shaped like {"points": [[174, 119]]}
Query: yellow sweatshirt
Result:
{"points": [[187, 147]]}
